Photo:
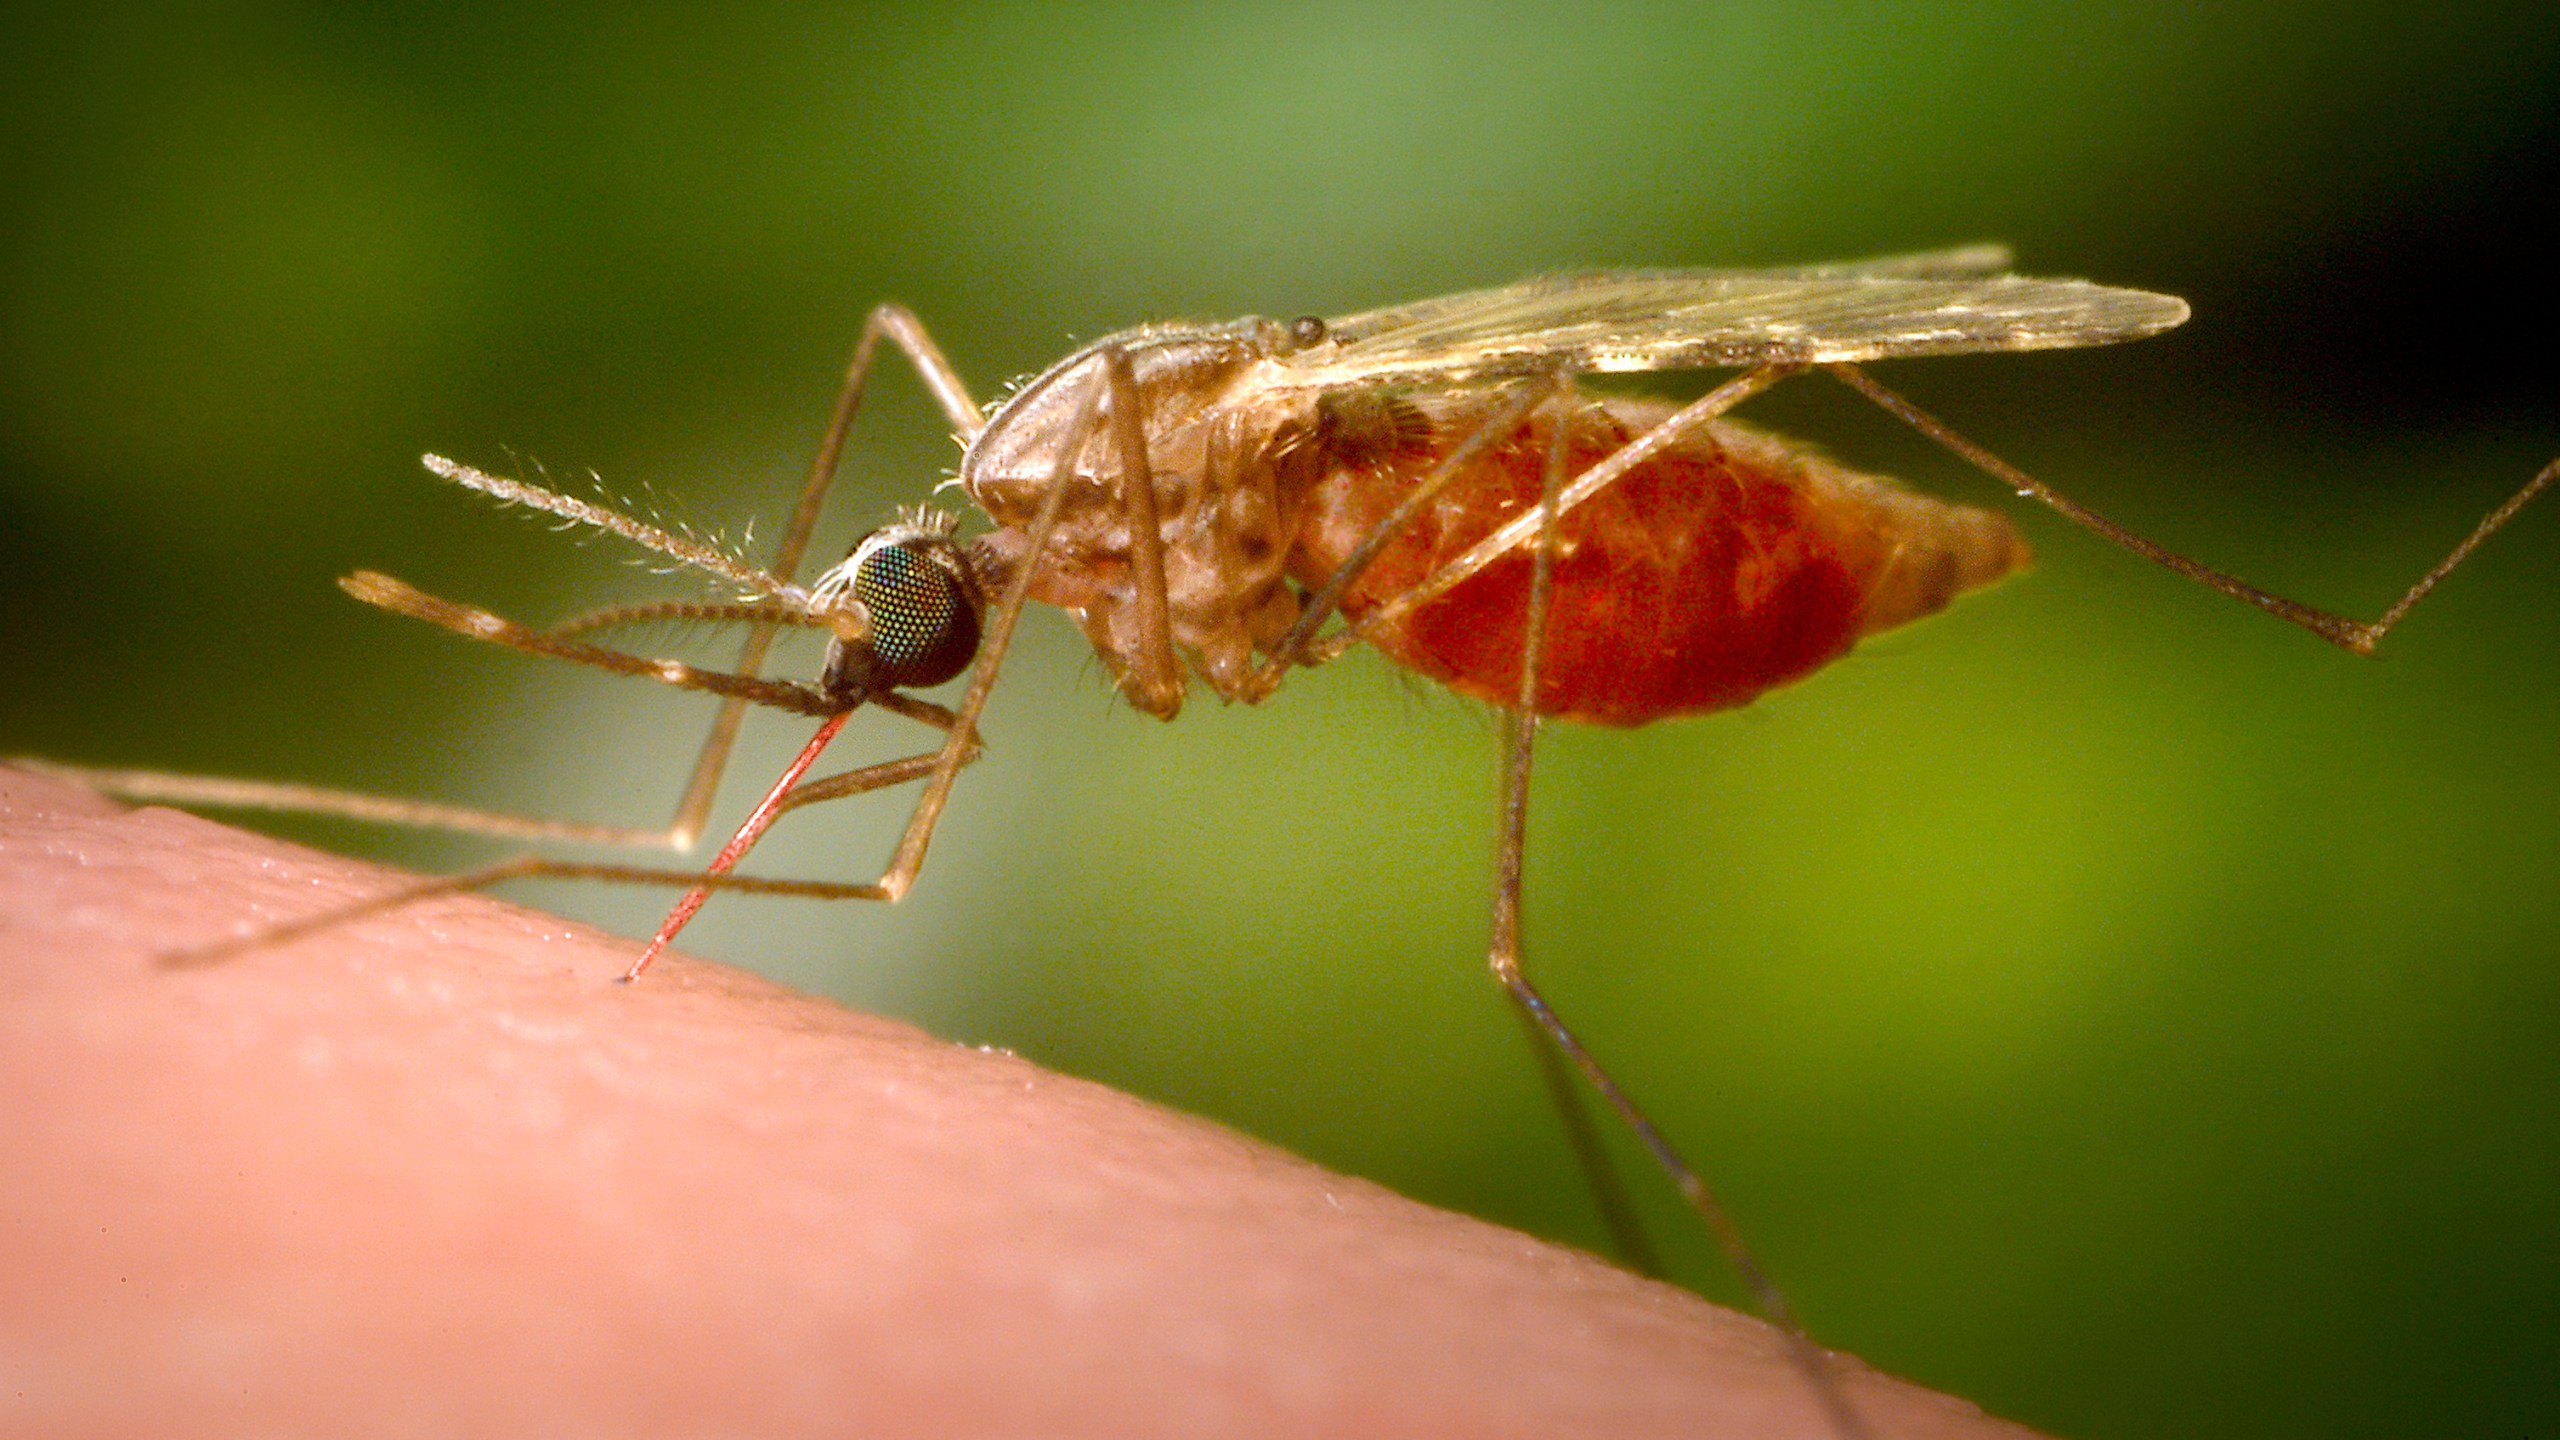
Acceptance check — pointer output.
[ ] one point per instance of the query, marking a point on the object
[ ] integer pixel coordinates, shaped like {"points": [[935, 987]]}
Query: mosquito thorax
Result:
{"points": [[916, 603]]}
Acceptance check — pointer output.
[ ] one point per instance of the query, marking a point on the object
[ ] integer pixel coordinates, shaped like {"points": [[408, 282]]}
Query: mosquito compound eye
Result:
{"points": [[1306, 330], [923, 607]]}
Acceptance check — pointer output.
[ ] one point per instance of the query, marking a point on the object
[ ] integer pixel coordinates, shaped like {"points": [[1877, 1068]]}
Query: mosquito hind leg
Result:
{"points": [[2361, 636], [1591, 1156], [1504, 957]]}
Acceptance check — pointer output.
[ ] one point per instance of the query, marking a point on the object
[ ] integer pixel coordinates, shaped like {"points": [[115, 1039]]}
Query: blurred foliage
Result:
{"points": [[2100, 1002]]}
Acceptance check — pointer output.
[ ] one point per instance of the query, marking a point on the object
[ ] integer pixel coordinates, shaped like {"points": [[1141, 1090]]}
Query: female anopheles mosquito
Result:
{"points": [[1209, 498]]}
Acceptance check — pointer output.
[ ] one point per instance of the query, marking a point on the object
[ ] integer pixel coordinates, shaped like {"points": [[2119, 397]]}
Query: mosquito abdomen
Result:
{"points": [[1731, 563]]}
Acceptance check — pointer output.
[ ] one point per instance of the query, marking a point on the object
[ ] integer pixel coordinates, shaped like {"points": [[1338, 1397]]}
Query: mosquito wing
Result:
{"points": [[1962, 262], [1942, 303]]}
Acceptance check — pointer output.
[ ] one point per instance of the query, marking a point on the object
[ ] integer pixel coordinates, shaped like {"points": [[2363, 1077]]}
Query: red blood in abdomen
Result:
{"points": [[1702, 578]]}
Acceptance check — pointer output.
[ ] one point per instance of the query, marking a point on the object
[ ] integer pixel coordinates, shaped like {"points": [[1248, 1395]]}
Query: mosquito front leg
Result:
{"points": [[938, 771], [959, 747], [2361, 636], [162, 788], [158, 787], [544, 867], [1155, 679], [909, 857], [1504, 957], [472, 622], [787, 793], [901, 328]]}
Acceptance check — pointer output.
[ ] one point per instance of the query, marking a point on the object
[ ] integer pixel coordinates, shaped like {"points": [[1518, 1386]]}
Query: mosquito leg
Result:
{"points": [[2360, 636], [901, 328], [869, 778], [1520, 529], [400, 597], [958, 748], [1608, 1188], [540, 867], [739, 688], [220, 792], [1300, 645], [785, 794], [1155, 680], [938, 771], [963, 742], [158, 787], [522, 867], [1510, 849]]}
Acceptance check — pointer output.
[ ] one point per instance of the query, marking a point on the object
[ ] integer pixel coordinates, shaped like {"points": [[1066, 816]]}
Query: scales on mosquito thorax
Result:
{"points": [[1227, 502]]}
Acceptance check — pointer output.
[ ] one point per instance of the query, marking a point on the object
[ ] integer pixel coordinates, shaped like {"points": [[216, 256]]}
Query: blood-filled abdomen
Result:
{"points": [[1730, 563]]}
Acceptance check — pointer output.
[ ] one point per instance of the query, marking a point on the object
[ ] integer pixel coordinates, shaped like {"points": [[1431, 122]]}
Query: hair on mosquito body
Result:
{"points": [[1216, 505]]}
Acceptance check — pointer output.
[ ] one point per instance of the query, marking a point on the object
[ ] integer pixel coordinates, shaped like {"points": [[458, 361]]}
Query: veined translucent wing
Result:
{"points": [[1941, 303], [1988, 258]]}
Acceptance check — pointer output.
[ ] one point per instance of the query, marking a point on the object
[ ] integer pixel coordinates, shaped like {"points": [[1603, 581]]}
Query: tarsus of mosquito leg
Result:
{"points": [[902, 329], [522, 867], [1522, 528], [1155, 681], [2361, 636], [155, 787], [1511, 848], [1608, 1189], [1300, 644], [761, 818], [472, 622], [222, 792]]}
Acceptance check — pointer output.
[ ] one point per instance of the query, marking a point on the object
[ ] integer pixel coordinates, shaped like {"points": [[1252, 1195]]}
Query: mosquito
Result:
{"points": [[1223, 503]]}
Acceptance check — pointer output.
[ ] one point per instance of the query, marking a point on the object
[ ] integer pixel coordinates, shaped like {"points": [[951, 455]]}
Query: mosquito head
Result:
{"points": [[919, 603]]}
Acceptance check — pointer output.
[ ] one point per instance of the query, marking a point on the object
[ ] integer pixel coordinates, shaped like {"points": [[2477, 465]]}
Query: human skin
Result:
{"points": [[435, 1173]]}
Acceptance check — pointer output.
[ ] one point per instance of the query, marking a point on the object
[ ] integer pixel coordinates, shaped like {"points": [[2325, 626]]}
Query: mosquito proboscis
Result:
{"points": [[1227, 502]]}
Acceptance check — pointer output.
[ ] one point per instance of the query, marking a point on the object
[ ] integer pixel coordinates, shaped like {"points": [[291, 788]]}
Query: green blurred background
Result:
{"points": [[2101, 1002]]}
